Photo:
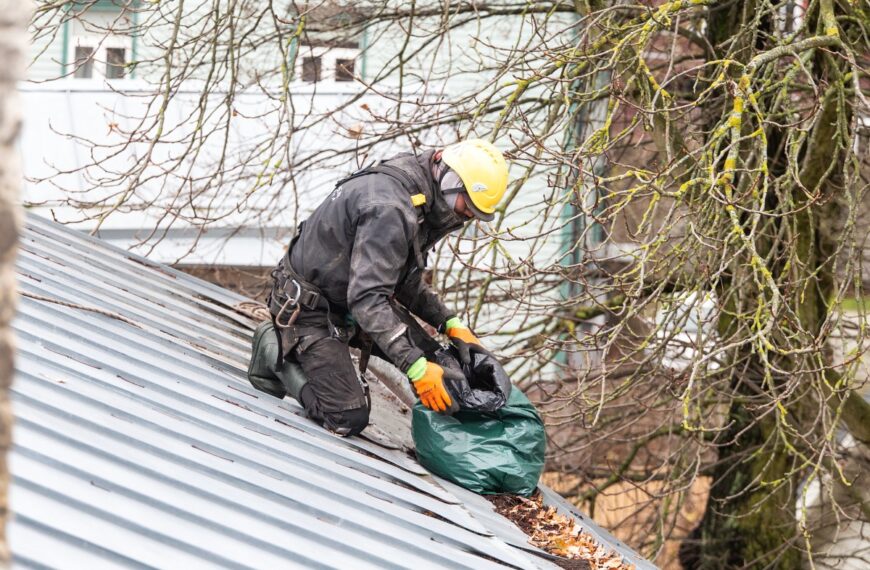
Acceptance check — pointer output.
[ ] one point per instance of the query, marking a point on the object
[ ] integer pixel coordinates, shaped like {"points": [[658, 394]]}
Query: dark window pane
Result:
{"points": [[311, 69], [84, 62], [115, 63], [344, 70]]}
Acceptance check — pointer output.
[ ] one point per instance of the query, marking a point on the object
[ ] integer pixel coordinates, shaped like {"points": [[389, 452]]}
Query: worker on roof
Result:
{"points": [[353, 276]]}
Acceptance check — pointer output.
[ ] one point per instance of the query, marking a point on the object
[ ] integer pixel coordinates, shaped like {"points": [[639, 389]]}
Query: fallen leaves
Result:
{"points": [[557, 534]]}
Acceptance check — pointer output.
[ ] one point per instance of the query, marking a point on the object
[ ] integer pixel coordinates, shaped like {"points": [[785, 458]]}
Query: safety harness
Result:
{"points": [[291, 292], [418, 200]]}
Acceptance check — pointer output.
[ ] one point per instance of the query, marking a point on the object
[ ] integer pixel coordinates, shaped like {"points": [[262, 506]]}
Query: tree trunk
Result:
{"points": [[749, 529], [14, 16], [750, 518], [758, 528]]}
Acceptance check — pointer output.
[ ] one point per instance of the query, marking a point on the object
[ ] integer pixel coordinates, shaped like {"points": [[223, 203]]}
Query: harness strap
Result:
{"points": [[291, 292], [280, 361], [418, 200]]}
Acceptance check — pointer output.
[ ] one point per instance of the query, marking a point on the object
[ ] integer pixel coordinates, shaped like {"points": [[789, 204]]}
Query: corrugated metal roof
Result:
{"points": [[139, 443]]}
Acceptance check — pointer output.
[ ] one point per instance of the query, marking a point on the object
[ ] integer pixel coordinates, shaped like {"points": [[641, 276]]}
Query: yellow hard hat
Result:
{"points": [[482, 169]]}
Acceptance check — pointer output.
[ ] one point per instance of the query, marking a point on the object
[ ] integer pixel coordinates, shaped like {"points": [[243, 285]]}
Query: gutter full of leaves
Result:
{"points": [[557, 534]]}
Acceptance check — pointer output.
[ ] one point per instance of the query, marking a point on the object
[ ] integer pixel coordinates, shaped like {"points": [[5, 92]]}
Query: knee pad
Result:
{"points": [[348, 422]]}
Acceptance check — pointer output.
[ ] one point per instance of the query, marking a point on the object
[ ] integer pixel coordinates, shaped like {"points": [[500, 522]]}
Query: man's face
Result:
{"points": [[462, 208], [452, 185]]}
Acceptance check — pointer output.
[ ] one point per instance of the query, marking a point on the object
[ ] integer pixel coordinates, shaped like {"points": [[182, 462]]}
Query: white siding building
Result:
{"points": [[94, 80]]}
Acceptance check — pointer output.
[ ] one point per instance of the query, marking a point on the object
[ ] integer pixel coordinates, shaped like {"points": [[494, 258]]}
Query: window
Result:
{"points": [[311, 69], [344, 70], [100, 40], [115, 63], [96, 61], [327, 61], [84, 62]]}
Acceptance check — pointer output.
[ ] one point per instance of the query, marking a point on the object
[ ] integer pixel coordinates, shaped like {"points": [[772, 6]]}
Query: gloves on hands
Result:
{"points": [[463, 339], [428, 379]]}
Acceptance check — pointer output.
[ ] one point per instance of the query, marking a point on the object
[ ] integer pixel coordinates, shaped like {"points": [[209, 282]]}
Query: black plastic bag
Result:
{"points": [[483, 385]]}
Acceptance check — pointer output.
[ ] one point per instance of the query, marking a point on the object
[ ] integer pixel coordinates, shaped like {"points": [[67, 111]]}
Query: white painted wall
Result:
{"points": [[96, 109], [55, 111]]}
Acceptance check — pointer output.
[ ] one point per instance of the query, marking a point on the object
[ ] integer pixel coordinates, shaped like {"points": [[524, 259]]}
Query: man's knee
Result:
{"points": [[344, 423], [347, 422]]}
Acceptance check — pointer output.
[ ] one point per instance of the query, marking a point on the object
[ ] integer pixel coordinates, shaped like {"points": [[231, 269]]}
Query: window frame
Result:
{"points": [[100, 58], [329, 56], [343, 72], [76, 34]]}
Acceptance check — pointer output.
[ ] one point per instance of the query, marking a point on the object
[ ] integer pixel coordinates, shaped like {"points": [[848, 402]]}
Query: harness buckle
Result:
{"points": [[292, 301], [309, 299], [295, 297]]}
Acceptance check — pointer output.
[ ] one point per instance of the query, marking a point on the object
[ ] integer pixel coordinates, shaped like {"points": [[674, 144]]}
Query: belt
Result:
{"points": [[292, 293]]}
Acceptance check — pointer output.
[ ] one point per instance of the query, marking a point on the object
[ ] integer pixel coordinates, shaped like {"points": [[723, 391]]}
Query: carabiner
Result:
{"points": [[290, 302]]}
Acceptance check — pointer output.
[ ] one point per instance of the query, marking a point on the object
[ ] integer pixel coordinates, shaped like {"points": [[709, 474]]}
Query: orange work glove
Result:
{"points": [[428, 379], [463, 339]]}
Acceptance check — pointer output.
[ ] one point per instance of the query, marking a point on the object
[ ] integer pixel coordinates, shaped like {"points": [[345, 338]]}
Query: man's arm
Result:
{"points": [[380, 251], [421, 300]]}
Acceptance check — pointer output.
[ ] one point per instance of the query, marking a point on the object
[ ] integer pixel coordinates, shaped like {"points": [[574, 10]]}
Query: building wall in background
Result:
{"points": [[99, 108]]}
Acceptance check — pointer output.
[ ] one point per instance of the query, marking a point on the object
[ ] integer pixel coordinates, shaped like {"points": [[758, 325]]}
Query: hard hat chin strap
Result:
{"points": [[450, 182]]}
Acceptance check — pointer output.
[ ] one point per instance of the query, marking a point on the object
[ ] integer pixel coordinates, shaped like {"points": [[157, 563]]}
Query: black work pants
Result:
{"points": [[336, 394]]}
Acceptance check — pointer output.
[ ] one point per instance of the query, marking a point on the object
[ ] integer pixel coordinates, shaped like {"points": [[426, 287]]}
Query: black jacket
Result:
{"points": [[367, 242]]}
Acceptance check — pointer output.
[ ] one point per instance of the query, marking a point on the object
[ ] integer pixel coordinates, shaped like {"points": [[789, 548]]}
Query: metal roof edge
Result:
{"points": [[562, 506]]}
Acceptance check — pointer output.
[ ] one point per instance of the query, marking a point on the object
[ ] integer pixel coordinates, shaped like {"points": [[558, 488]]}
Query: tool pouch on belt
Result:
{"points": [[289, 378]]}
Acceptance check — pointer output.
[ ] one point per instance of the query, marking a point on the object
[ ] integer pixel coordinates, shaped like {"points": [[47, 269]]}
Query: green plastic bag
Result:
{"points": [[485, 452]]}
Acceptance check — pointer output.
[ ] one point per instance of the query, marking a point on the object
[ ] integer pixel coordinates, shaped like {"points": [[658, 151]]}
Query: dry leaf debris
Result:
{"points": [[556, 533]]}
